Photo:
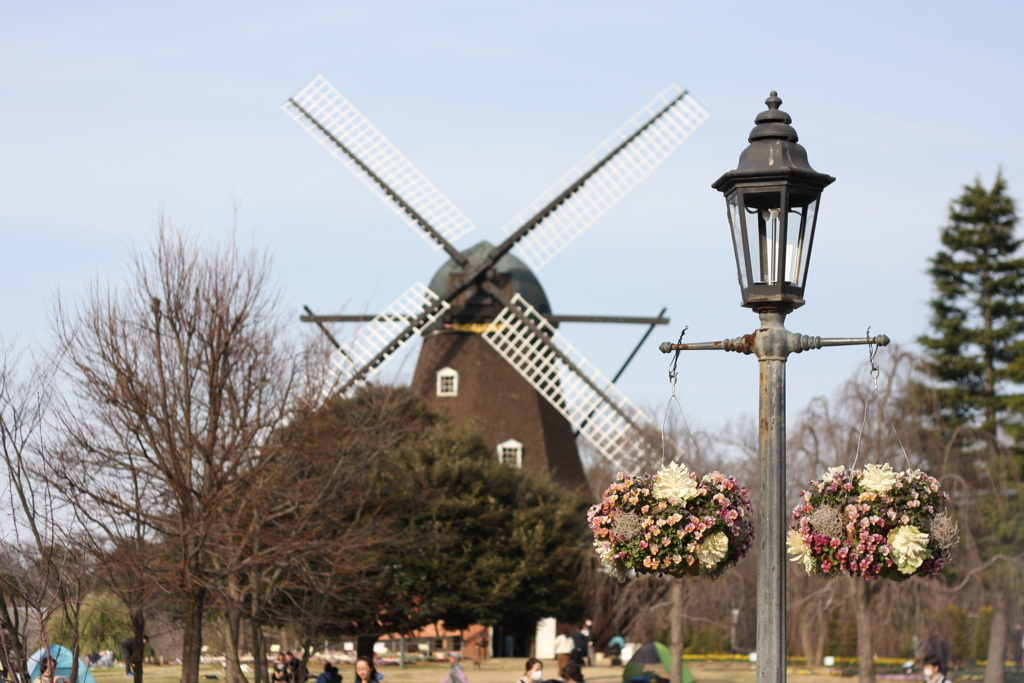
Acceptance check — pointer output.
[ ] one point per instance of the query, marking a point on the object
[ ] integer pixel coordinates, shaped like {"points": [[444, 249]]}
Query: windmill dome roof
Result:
{"points": [[524, 281]]}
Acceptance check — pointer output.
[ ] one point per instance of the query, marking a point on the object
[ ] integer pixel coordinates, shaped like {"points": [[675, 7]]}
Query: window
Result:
{"points": [[510, 453], [439, 643], [447, 382], [456, 642]]}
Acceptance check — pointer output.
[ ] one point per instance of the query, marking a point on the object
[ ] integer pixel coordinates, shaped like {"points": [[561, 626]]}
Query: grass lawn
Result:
{"points": [[493, 671]]}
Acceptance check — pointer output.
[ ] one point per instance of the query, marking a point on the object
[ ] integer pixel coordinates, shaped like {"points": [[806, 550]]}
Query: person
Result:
{"points": [[128, 650], [534, 671], [581, 642], [932, 670], [330, 674], [563, 646], [938, 647], [48, 670], [571, 673], [478, 653], [294, 665], [615, 646], [456, 674], [281, 674], [588, 624], [366, 672]]}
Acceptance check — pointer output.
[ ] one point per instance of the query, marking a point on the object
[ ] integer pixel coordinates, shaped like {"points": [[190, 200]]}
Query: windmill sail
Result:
{"points": [[353, 140], [612, 427], [617, 166], [388, 332]]}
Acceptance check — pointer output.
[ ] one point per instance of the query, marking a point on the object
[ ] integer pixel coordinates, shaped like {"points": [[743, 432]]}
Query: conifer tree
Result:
{"points": [[978, 311], [976, 351]]}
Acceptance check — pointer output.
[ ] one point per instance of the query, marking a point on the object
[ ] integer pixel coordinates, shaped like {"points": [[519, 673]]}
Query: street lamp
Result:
{"points": [[772, 199]]}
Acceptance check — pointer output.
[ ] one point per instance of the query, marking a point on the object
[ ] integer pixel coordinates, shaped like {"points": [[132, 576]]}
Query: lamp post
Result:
{"points": [[772, 200]]}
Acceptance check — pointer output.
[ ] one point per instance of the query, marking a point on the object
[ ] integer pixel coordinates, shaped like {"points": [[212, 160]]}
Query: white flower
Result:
{"points": [[675, 482], [831, 473], [799, 550], [909, 547], [878, 478], [605, 552], [713, 549]]}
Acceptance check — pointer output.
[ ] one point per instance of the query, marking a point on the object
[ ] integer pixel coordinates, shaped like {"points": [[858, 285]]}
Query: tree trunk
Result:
{"points": [[813, 630], [676, 624], [307, 652], [138, 652], [192, 638], [364, 645], [12, 646], [995, 667], [820, 639], [71, 615], [232, 636], [259, 657], [863, 591], [806, 647]]}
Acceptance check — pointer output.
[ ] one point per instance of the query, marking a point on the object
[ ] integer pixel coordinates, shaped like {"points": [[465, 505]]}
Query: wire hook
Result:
{"points": [[673, 377], [876, 395]]}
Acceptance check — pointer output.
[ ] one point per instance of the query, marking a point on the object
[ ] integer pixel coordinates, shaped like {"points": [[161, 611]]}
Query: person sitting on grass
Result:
{"points": [[48, 671], [534, 671], [932, 669], [571, 673], [330, 674]]}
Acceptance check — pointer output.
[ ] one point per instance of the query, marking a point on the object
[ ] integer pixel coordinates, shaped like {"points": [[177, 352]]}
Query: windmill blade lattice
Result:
{"points": [[377, 335], [349, 136], [659, 136], [606, 426]]}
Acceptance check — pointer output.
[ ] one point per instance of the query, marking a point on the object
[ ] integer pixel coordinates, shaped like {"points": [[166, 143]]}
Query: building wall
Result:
{"points": [[501, 404]]}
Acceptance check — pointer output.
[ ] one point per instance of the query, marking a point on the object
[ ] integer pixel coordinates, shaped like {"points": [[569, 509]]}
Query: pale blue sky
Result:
{"points": [[112, 111]]}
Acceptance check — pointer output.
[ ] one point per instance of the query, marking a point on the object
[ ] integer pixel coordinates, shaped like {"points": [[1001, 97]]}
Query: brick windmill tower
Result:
{"points": [[491, 351]]}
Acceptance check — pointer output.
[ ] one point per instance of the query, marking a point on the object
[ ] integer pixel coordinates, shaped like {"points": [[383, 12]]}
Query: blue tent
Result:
{"points": [[63, 657]]}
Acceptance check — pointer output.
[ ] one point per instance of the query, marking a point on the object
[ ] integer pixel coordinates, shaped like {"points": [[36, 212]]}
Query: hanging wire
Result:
{"points": [[673, 377], [876, 395]]}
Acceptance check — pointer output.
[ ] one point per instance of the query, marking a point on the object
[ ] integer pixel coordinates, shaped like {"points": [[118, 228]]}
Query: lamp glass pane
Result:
{"points": [[807, 224], [736, 223], [757, 242], [770, 226]]}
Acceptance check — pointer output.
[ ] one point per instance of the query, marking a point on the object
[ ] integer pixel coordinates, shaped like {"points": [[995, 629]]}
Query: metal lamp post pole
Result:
{"points": [[772, 343]]}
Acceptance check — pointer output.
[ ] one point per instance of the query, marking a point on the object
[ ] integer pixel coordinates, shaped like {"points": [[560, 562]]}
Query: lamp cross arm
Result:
{"points": [[774, 341]]}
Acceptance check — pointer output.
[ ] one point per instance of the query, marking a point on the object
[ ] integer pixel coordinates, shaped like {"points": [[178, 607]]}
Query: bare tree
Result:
{"points": [[176, 378], [41, 573]]}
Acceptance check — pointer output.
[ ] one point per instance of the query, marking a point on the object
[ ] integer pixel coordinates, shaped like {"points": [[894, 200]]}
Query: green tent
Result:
{"points": [[652, 653]]}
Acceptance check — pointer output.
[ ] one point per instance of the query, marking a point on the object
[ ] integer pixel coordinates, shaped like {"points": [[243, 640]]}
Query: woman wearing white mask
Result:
{"points": [[534, 671]]}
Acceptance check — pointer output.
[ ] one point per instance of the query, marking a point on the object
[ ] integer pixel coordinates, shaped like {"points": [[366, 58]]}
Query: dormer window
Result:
{"points": [[511, 453], [447, 382]]}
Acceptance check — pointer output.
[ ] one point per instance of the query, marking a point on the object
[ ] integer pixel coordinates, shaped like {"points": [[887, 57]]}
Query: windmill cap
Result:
{"points": [[524, 281]]}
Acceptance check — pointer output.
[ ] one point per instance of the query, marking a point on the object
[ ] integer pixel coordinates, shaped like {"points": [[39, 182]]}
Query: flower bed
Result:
{"points": [[874, 523], [671, 523]]}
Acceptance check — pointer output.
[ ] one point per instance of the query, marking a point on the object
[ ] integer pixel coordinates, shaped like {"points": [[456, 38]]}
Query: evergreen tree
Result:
{"points": [[975, 347], [976, 351]]}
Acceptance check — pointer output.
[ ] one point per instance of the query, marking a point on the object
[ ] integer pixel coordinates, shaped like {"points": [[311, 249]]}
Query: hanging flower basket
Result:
{"points": [[874, 523], [671, 523]]}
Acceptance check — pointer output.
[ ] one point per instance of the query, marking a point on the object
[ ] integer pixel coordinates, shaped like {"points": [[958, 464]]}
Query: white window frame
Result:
{"points": [[516, 447], [443, 374]]}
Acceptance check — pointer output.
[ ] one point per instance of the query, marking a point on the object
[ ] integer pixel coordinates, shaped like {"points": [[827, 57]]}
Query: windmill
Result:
{"points": [[491, 350]]}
